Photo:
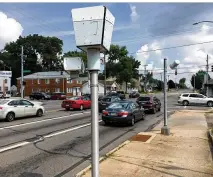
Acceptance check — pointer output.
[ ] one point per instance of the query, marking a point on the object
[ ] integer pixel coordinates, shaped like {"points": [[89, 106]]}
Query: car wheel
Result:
{"points": [[67, 109], [10, 116], [133, 121], [210, 104], [153, 110], [185, 103], [81, 107], [39, 113]]}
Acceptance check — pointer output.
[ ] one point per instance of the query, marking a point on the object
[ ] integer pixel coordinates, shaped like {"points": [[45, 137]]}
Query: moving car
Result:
{"points": [[134, 94], [39, 96], [14, 108], [58, 96], [194, 99], [149, 103], [78, 102], [106, 101], [123, 112]]}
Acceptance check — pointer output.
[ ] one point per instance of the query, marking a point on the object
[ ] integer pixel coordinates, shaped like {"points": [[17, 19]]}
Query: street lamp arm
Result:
{"points": [[206, 21]]}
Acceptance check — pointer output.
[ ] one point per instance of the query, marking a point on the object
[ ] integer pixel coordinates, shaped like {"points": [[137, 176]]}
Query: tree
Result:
{"points": [[48, 49], [182, 83], [171, 84], [199, 79]]}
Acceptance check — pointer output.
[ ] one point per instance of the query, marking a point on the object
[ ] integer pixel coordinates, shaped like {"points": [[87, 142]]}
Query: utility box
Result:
{"points": [[93, 27]]}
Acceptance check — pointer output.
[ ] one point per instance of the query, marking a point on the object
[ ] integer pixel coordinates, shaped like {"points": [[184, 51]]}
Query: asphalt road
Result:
{"points": [[59, 143]]}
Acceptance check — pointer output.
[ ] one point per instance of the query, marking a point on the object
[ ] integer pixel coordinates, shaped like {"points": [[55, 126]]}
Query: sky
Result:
{"points": [[140, 27]]}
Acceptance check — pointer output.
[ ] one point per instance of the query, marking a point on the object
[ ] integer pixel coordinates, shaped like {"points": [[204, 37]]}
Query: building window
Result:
{"points": [[32, 81], [57, 90], [68, 80], [6, 89], [5, 81], [69, 90], [38, 81], [57, 80], [47, 81]]}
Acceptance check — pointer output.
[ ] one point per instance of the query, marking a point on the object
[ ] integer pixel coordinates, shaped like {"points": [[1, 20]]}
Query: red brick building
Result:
{"points": [[52, 81]]}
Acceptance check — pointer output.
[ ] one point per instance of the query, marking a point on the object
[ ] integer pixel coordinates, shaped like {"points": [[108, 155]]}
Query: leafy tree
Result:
{"points": [[182, 83], [49, 49], [199, 79], [171, 84]]}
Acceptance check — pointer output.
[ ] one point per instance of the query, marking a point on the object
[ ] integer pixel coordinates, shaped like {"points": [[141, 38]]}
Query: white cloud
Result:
{"points": [[10, 30], [134, 15]]}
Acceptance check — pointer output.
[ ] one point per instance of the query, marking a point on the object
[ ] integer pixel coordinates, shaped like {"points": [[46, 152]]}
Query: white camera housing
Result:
{"points": [[174, 64], [93, 27]]}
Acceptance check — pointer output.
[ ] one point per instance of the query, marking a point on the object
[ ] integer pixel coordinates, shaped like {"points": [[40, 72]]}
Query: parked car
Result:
{"points": [[119, 94], [134, 94], [7, 94], [106, 101], [194, 99], [39, 96], [14, 108], [58, 96], [149, 103], [123, 112], [78, 102], [1, 95]]}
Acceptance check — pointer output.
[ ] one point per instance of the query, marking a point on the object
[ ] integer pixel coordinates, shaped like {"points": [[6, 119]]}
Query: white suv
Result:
{"points": [[195, 98]]}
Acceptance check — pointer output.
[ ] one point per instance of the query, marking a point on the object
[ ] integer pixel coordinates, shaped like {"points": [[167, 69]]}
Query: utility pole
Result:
{"points": [[207, 77], [104, 74], [165, 129], [22, 71]]}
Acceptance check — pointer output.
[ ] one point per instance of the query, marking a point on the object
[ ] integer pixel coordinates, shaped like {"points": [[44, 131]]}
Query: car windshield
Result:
{"points": [[107, 99], [119, 105], [144, 99], [74, 98]]}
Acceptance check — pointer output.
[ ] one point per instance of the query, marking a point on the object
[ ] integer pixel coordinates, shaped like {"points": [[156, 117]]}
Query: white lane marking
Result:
{"points": [[45, 120], [24, 143]]}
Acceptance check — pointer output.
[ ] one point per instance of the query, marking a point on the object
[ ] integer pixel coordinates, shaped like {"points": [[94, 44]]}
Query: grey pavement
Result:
{"points": [[58, 144]]}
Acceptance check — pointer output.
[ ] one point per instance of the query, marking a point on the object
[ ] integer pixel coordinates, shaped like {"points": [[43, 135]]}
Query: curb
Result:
{"points": [[211, 135], [81, 173]]}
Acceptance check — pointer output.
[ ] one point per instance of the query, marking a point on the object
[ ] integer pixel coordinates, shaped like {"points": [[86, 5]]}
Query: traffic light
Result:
{"points": [[212, 67]]}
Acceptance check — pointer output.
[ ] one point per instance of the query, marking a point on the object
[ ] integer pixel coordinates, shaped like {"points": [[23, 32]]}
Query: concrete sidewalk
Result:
{"points": [[185, 153]]}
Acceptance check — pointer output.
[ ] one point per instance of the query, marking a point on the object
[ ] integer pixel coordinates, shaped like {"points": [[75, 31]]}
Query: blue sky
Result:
{"points": [[139, 26]]}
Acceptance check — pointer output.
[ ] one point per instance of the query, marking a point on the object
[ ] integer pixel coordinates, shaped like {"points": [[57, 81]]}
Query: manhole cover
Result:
{"points": [[142, 138]]}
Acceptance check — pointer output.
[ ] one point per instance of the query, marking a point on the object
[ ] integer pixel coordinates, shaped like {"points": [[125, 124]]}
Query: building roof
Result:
{"points": [[50, 75]]}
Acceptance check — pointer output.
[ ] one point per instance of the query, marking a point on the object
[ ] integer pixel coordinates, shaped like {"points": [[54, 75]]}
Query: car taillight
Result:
{"points": [[123, 114], [105, 112]]}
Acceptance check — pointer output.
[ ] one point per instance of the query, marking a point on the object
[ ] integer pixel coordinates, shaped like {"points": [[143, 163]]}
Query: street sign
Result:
{"points": [[27, 71]]}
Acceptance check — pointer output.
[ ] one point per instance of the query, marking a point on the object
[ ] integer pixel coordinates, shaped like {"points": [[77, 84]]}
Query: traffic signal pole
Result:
{"points": [[22, 71]]}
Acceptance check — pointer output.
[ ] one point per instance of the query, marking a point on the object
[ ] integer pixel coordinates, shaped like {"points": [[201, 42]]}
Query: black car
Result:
{"points": [[106, 101], [39, 96], [119, 94], [127, 112], [134, 95], [149, 103]]}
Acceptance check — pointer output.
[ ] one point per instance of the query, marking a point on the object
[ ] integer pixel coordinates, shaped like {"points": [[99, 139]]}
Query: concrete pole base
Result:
{"points": [[165, 130]]}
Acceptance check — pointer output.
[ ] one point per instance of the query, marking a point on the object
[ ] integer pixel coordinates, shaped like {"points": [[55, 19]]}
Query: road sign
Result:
{"points": [[27, 71]]}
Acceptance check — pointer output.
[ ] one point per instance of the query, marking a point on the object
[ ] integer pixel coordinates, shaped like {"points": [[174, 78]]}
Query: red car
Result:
{"points": [[58, 96], [78, 102]]}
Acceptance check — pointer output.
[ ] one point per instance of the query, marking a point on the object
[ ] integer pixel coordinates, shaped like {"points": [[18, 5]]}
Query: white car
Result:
{"points": [[195, 98], [13, 108]]}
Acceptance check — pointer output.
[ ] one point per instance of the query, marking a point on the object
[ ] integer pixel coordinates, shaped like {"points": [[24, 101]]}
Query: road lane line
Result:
{"points": [[24, 143], [45, 120]]}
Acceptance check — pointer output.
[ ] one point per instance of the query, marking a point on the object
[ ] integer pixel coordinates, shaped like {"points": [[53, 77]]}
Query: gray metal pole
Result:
{"points": [[22, 70], [165, 130], [207, 77], [95, 122], [104, 74]]}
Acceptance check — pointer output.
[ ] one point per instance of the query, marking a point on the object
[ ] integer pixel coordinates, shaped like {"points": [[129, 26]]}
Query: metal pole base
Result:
{"points": [[165, 130]]}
